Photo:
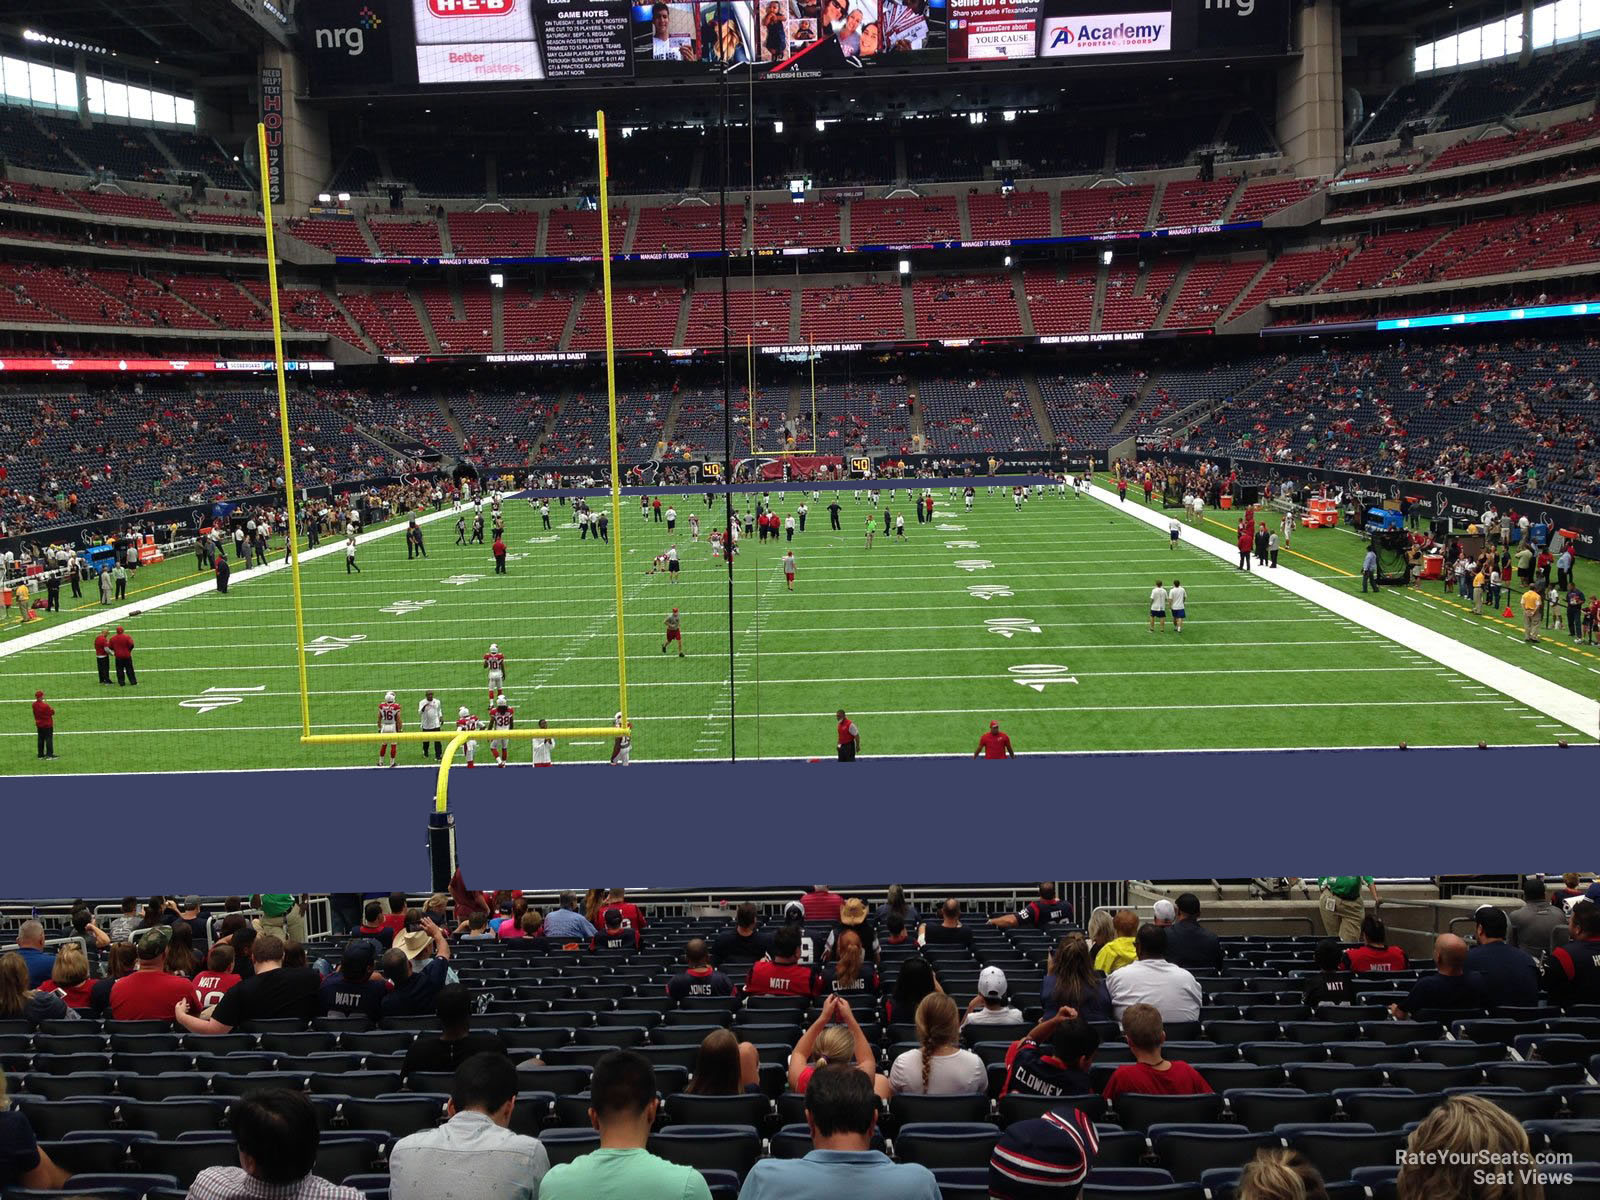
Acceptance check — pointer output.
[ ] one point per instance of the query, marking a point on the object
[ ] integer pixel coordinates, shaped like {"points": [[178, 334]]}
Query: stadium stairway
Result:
{"points": [[425, 321], [366, 338], [1030, 386], [1019, 294]]}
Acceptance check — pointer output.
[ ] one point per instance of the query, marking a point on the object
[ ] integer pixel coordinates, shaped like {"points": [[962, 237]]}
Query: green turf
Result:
{"points": [[893, 635]]}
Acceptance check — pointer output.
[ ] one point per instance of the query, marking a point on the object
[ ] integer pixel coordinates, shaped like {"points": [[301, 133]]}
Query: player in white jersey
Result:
{"points": [[1288, 527], [1173, 529], [624, 743], [466, 721], [1178, 602], [389, 722], [543, 748], [1158, 606], [694, 527], [495, 663], [501, 716]]}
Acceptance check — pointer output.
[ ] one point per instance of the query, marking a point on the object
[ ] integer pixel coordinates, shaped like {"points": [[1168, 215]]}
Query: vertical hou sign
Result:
{"points": [[272, 118]]}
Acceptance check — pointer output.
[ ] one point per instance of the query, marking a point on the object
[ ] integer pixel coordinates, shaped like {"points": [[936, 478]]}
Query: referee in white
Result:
{"points": [[428, 718]]}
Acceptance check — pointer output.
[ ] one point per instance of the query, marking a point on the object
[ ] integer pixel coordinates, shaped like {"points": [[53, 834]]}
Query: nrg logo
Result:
{"points": [[354, 39], [1239, 8]]}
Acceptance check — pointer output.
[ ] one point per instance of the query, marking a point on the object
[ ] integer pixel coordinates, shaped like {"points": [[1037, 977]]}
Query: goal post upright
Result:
{"points": [[293, 530], [611, 398]]}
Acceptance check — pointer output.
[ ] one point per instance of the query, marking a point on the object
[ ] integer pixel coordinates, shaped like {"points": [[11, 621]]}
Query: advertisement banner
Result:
{"points": [[993, 30], [272, 119], [345, 43], [1111, 33]]}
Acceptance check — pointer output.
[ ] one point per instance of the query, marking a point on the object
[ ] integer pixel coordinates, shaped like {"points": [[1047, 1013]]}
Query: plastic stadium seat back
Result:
{"points": [[1235, 1033], [1569, 1049], [962, 1183], [1314, 1032], [972, 1034], [570, 1111], [1019, 1107], [168, 1118], [747, 1109], [1326, 1077], [1186, 1154], [377, 1041], [240, 1085], [74, 1087], [273, 1025], [219, 1043], [1195, 1053], [1366, 1054], [530, 1113], [723, 1185], [709, 1147], [1580, 1139], [1160, 1191], [57, 1118], [1432, 1077], [1141, 1111], [357, 1083], [946, 1144], [793, 1140], [338, 1158], [560, 1080], [575, 1056], [523, 1042], [430, 1081], [564, 1145], [1584, 1102], [1119, 1147], [184, 1159], [72, 1064], [1337, 1154], [613, 1037], [395, 1115], [1379, 1181], [1459, 1053], [1397, 1033], [1532, 1076], [1390, 1108], [87, 1156], [1282, 1054], [1226, 1076], [1524, 1106]]}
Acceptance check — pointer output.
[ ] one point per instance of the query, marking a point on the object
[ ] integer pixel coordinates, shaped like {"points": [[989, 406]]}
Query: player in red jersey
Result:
{"points": [[495, 663], [994, 744], [501, 717], [389, 722], [465, 720]]}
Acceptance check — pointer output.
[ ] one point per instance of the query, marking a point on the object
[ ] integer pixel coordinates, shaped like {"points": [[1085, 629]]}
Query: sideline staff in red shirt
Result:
{"points": [[849, 738], [44, 723], [994, 744]]}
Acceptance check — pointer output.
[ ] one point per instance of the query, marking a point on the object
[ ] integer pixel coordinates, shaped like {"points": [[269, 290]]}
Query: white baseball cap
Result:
{"points": [[992, 983], [1165, 910]]}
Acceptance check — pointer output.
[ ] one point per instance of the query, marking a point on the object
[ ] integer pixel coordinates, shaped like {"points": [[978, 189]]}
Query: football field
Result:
{"points": [[1036, 618]]}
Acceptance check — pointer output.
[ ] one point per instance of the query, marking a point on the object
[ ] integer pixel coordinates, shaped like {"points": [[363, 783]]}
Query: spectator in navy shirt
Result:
{"points": [[1054, 1059], [1510, 977], [1071, 981], [416, 989], [896, 904], [1190, 944], [698, 978], [1449, 989], [618, 935], [354, 990], [744, 942], [1042, 913]]}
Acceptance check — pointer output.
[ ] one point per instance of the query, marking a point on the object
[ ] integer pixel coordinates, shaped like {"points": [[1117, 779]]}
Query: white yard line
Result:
{"points": [[1555, 701]]}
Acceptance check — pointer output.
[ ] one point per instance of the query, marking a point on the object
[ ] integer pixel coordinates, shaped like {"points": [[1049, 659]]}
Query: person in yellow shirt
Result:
{"points": [[1119, 951], [24, 604], [1479, 580], [1531, 603]]}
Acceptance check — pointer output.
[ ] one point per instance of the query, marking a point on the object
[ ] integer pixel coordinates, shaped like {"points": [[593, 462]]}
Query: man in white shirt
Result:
{"points": [[428, 717], [543, 748], [1158, 606], [989, 1006], [473, 1153], [1173, 529], [672, 518], [1177, 602], [1152, 980], [665, 45]]}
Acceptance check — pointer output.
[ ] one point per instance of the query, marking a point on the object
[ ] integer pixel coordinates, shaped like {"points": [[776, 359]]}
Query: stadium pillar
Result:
{"points": [[441, 849], [1311, 93], [307, 159]]}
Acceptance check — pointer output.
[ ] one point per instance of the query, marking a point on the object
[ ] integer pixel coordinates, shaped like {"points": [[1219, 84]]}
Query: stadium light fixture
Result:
{"points": [[497, 280], [777, 127], [1008, 260], [821, 124], [344, 197], [1010, 114], [905, 266], [322, 197], [1105, 258]]}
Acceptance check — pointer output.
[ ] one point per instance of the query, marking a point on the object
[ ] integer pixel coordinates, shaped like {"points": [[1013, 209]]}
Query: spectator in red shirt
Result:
{"points": [[994, 744], [617, 898], [213, 982], [149, 994], [1149, 1073], [1375, 953], [102, 656], [70, 976], [781, 973], [821, 905], [44, 723], [395, 922], [499, 551], [122, 650]]}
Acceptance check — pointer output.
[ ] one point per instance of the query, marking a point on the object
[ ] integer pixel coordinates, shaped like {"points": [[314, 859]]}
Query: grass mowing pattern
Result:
{"points": [[900, 635]]}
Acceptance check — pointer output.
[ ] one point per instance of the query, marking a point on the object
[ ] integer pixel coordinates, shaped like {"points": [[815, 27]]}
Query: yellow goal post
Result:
{"points": [[454, 741]]}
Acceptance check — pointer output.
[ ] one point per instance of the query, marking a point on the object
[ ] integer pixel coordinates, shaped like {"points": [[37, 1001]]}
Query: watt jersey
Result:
{"points": [[388, 716]]}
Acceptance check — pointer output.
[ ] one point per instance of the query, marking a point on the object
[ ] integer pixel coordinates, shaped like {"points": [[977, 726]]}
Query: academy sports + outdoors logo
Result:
{"points": [[1120, 33]]}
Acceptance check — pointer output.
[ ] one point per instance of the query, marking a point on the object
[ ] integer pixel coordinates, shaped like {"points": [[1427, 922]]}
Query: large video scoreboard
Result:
{"points": [[462, 45]]}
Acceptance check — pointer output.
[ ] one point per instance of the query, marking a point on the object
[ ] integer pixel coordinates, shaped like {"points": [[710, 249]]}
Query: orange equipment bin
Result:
{"points": [[149, 552], [1227, 502], [1432, 566], [1322, 512]]}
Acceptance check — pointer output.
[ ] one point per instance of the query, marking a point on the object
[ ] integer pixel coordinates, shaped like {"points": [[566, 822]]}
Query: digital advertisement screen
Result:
{"points": [[378, 46]]}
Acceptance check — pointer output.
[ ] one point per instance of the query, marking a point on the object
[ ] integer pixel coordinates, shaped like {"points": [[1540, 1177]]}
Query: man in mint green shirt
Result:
{"points": [[841, 1110], [622, 1106]]}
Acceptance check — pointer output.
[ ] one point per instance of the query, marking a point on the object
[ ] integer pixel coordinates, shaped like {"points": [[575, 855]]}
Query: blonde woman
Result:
{"points": [[22, 1162], [1280, 1175], [1100, 931], [70, 976], [939, 1066], [1457, 1138], [828, 1043]]}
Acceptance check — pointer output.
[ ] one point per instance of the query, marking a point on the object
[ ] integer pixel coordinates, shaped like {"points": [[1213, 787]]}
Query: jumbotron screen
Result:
{"points": [[371, 45]]}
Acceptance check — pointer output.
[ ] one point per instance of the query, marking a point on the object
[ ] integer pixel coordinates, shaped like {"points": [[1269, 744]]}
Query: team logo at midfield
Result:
{"points": [[973, 564], [988, 591]]}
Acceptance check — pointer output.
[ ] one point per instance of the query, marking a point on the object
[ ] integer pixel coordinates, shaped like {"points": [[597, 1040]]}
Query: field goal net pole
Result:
{"points": [[454, 741], [293, 530]]}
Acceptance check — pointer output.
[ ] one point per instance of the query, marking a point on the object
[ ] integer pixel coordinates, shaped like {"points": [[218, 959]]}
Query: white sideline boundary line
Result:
{"points": [[1541, 695], [119, 613]]}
